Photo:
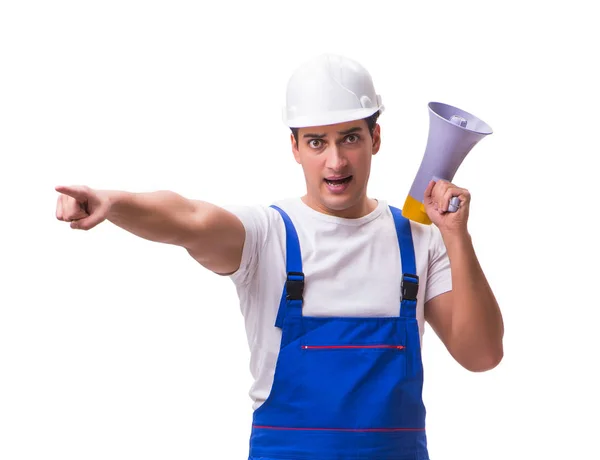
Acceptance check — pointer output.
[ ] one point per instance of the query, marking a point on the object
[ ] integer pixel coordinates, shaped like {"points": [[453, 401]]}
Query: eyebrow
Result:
{"points": [[342, 133]]}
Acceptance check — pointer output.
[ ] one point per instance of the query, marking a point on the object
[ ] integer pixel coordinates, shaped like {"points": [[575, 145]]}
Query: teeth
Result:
{"points": [[337, 181]]}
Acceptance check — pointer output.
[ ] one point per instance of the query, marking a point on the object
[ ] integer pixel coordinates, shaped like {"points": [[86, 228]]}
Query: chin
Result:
{"points": [[339, 203]]}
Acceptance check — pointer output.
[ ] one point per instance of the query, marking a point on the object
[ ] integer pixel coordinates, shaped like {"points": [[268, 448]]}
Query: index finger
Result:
{"points": [[76, 191]]}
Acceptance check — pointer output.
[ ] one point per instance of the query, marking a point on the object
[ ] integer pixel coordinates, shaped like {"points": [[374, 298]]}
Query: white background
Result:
{"points": [[113, 347]]}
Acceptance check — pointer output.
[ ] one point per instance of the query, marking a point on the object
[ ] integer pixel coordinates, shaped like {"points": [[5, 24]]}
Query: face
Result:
{"points": [[336, 160]]}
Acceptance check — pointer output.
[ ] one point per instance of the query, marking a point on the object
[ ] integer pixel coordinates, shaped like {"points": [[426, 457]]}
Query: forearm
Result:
{"points": [[161, 216], [477, 327]]}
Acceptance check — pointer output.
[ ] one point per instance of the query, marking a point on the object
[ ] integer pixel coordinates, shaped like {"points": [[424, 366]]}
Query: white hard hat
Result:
{"points": [[327, 90]]}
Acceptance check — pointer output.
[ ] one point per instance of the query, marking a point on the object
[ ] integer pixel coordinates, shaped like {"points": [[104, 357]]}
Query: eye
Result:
{"points": [[315, 143], [352, 138]]}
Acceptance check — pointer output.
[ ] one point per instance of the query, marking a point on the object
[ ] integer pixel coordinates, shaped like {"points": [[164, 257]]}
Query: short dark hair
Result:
{"points": [[371, 122]]}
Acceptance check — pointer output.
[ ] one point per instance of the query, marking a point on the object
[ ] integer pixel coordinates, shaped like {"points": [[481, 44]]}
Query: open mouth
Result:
{"points": [[338, 182]]}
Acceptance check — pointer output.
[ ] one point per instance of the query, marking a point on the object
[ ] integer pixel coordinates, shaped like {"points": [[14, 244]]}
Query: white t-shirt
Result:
{"points": [[351, 266]]}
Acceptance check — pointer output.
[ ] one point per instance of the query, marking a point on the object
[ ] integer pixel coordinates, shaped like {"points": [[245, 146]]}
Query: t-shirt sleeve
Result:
{"points": [[256, 224], [439, 279]]}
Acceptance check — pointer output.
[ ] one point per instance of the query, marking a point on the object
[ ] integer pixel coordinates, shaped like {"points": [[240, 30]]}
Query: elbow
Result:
{"points": [[483, 361]]}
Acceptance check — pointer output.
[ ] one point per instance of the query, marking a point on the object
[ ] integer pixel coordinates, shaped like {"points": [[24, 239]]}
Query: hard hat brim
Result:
{"points": [[330, 118]]}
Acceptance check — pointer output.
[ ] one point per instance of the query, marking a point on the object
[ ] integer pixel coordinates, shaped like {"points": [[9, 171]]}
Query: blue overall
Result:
{"points": [[344, 387]]}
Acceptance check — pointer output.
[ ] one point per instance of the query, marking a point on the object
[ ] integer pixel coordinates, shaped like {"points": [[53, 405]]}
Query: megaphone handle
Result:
{"points": [[454, 204]]}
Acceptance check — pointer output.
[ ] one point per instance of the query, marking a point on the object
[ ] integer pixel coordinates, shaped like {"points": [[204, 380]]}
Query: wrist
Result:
{"points": [[457, 240], [114, 199]]}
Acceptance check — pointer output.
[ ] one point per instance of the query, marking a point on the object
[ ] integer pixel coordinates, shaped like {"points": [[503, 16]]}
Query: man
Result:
{"points": [[334, 286]]}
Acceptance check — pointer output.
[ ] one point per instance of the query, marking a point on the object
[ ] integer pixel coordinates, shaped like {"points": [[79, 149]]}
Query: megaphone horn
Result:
{"points": [[452, 134]]}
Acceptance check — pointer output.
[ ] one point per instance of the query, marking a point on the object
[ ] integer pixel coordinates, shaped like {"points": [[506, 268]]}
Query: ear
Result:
{"points": [[376, 138], [295, 150]]}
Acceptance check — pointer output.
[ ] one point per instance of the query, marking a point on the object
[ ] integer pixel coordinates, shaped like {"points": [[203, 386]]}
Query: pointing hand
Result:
{"points": [[82, 206]]}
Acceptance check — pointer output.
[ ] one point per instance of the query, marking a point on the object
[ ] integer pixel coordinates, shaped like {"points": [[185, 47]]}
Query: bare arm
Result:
{"points": [[213, 236], [467, 319]]}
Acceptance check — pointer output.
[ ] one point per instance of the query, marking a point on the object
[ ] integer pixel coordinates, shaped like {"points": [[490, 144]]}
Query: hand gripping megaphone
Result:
{"points": [[452, 134]]}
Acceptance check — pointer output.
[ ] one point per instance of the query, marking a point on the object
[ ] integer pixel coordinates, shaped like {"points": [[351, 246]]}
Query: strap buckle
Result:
{"points": [[409, 286], [294, 286]]}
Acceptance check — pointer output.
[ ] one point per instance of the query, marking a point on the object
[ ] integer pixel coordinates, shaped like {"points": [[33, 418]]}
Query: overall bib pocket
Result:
{"points": [[360, 380]]}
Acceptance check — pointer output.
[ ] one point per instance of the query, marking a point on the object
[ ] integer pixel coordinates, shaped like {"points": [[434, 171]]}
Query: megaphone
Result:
{"points": [[452, 134]]}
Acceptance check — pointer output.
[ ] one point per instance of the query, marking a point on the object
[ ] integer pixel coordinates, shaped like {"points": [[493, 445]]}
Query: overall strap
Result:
{"points": [[410, 281], [291, 298]]}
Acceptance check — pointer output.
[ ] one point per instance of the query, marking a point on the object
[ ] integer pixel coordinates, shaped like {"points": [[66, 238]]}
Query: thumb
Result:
{"points": [[89, 222], [79, 192], [429, 189]]}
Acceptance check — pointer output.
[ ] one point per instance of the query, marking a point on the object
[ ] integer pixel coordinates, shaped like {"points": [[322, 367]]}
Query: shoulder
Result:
{"points": [[264, 222], [427, 235], [264, 240], [255, 216]]}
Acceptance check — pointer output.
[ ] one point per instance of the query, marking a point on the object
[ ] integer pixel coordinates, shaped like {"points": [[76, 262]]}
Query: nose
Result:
{"points": [[336, 161]]}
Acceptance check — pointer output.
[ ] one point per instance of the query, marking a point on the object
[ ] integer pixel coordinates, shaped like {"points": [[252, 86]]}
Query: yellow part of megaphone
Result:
{"points": [[415, 210]]}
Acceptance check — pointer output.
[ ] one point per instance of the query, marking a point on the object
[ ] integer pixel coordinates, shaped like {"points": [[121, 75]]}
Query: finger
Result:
{"points": [[461, 193], [74, 209], [464, 197], [89, 222], [448, 194], [438, 193], [79, 192], [59, 208], [451, 192], [429, 189]]}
